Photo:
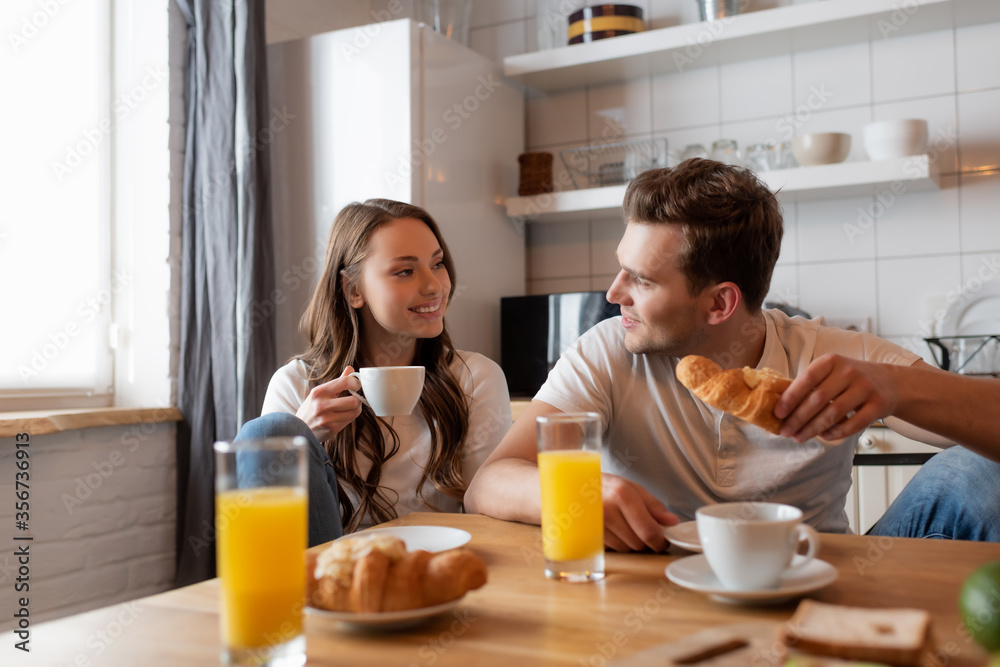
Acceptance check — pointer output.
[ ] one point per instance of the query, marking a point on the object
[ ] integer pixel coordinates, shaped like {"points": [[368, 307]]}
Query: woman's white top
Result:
{"points": [[489, 418]]}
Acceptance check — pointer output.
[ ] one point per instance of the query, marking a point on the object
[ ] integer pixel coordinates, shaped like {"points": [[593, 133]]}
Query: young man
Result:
{"points": [[700, 243]]}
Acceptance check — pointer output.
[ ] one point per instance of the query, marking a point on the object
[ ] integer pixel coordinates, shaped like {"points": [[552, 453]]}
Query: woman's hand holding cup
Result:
{"points": [[326, 410]]}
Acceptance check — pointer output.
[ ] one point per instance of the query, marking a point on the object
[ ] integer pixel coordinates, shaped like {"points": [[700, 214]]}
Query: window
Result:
{"points": [[55, 228], [84, 216]]}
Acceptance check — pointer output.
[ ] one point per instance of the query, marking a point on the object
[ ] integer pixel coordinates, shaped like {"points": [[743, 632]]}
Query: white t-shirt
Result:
{"points": [[489, 418], [689, 454]]}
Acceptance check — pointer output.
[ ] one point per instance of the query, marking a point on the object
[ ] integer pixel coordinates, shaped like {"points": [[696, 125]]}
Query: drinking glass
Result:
{"points": [[261, 527], [694, 150], [726, 150], [447, 17], [551, 25], [569, 466], [761, 157], [784, 157]]}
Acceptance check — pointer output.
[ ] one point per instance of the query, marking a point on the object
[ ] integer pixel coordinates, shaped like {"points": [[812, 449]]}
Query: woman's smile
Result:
{"points": [[429, 310]]}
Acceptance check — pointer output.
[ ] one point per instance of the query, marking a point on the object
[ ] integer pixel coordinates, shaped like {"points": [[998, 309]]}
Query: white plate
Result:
{"points": [[387, 620], [977, 315], [684, 535], [694, 573], [428, 538]]}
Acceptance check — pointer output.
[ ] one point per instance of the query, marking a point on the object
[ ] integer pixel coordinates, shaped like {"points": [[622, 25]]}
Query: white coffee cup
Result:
{"points": [[390, 391], [749, 545]]}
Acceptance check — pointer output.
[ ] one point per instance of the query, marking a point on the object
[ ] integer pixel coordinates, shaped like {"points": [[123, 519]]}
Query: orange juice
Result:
{"points": [[260, 551], [572, 507]]}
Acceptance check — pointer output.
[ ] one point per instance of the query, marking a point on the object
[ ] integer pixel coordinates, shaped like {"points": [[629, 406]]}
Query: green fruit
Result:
{"points": [[979, 605]]}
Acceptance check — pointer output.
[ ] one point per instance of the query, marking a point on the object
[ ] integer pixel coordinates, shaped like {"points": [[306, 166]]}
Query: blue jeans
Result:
{"points": [[324, 510], [954, 496]]}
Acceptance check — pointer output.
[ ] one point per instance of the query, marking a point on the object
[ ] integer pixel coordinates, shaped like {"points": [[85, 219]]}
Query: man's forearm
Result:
{"points": [[506, 489], [963, 409]]}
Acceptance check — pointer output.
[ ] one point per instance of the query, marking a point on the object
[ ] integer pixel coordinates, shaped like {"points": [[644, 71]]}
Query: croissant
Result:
{"points": [[747, 393], [375, 573]]}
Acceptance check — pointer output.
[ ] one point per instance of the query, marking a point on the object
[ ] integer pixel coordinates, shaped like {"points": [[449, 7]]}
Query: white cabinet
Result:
{"points": [[876, 486], [754, 35]]}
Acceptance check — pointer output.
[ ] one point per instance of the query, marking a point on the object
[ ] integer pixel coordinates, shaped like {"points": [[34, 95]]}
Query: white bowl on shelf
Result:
{"points": [[821, 148], [888, 139]]}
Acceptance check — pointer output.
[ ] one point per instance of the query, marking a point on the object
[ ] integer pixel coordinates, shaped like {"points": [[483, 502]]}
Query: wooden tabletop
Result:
{"points": [[523, 619]]}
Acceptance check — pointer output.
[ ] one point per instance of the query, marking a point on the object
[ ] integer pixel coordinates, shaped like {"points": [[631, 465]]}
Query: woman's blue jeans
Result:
{"points": [[954, 496], [324, 510]]}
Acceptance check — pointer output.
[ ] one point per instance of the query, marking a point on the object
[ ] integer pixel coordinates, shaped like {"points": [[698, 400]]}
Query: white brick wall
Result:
{"points": [[102, 512]]}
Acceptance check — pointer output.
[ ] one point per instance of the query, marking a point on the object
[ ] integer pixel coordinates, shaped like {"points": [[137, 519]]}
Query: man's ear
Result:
{"points": [[725, 299], [351, 293]]}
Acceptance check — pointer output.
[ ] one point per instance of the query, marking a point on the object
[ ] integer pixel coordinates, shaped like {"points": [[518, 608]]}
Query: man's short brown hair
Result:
{"points": [[730, 221]]}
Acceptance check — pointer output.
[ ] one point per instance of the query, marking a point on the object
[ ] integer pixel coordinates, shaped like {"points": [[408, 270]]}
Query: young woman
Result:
{"points": [[381, 300]]}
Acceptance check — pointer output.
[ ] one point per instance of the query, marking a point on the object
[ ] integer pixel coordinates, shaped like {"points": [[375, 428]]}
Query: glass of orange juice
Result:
{"points": [[569, 465], [261, 528]]}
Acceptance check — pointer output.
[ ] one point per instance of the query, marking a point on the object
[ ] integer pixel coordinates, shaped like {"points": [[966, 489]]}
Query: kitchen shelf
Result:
{"points": [[748, 36], [908, 174]]}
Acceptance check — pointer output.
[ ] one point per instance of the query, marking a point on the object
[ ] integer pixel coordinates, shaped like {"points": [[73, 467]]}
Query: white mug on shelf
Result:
{"points": [[390, 391]]}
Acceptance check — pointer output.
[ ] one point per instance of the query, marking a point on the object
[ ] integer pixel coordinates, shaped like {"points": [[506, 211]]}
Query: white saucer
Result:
{"points": [[684, 535], [388, 620], [693, 572], [428, 538]]}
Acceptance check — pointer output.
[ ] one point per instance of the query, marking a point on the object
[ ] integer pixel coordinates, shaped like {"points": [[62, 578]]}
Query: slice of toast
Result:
{"points": [[893, 636]]}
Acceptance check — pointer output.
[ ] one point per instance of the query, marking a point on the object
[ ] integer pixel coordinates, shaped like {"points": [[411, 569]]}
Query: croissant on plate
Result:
{"points": [[375, 573], [747, 393]]}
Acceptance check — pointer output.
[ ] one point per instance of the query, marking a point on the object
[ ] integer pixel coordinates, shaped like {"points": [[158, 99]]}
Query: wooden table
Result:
{"points": [[521, 618]]}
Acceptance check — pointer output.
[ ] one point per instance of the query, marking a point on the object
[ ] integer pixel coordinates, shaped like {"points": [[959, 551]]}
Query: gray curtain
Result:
{"points": [[227, 350]]}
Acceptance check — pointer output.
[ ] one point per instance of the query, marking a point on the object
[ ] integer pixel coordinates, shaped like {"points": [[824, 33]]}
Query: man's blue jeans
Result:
{"points": [[324, 510], [954, 496]]}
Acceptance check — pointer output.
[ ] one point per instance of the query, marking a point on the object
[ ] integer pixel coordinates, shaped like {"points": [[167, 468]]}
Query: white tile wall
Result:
{"points": [[923, 244], [756, 88], [977, 52], [619, 109], [916, 275], [827, 230], [559, 250], [920, 223], [980, 225], [979, 132], [686, 99], [982, 266], [790, 239], [913, 66], [556, 118], [604, 238], [833, 78]]}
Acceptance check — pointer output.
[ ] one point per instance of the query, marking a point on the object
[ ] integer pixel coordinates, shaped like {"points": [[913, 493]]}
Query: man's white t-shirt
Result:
{"points": [[483, 383], [689, 454]]}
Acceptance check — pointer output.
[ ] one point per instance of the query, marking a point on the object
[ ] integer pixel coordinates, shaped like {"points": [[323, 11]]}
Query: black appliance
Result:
{"points": [[534, 330]]}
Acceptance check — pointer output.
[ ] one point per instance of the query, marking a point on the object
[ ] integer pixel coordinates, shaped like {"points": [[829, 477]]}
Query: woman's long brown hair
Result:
{"points": [[334, 332]]}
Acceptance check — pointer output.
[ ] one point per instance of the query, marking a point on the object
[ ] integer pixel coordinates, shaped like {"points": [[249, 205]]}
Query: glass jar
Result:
{"points": [[726, 150], [761, 157], [784, 158], [693, 150], [448, 17], [551, 24]]}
